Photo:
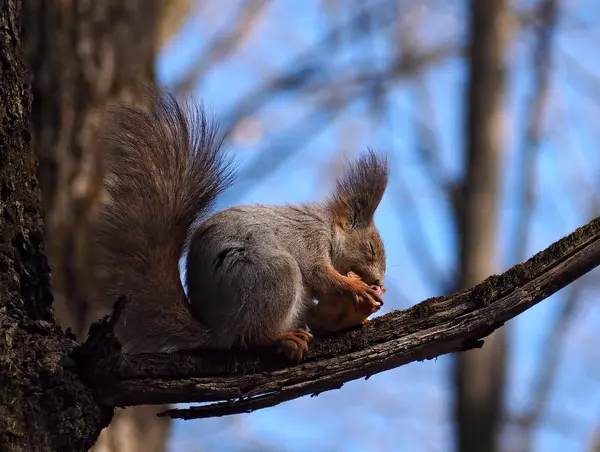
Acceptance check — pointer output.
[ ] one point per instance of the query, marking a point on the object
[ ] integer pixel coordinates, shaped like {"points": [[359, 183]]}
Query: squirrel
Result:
{"points": [[252, 272]]}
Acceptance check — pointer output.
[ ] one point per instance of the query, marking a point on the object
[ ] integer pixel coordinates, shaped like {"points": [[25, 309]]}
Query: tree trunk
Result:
{"points": [[480, 374], [83, 56], [43, 405]]}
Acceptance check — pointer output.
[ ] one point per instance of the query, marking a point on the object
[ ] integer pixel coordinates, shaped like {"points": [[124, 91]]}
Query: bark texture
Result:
{"points": [[479, 376], [43, 405], [83, 55]]}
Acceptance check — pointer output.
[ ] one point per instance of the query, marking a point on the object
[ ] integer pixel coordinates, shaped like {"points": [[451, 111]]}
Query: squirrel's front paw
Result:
{"points": [[368, 298], [293, 344], [367, 304]]}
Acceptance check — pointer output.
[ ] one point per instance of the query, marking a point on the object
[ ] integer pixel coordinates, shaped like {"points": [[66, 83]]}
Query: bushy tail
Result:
{"points": [[164, 170]]}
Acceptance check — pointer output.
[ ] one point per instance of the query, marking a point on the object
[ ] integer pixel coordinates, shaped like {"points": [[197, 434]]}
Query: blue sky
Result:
{"points": [[408, 409]]}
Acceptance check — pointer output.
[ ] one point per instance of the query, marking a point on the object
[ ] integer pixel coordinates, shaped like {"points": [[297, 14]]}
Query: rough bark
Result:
{"points": [[83, 56], [43, 405], [479, 376]]}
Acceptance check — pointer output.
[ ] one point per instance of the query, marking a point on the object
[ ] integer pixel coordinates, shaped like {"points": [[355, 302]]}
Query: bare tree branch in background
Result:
{"points": [[240, 27], [321, 116], [336, 90], [308, 67], [479, 376]]}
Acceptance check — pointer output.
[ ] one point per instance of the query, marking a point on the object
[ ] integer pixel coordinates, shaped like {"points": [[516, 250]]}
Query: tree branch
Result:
{"points": [[248, 381]]}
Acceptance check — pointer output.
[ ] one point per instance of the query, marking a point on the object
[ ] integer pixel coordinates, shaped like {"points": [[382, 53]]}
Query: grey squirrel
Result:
{"points": [[252, 272]]}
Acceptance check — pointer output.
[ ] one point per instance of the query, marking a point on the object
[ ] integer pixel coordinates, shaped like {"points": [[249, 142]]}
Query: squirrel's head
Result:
{"points": [[357, 244]]}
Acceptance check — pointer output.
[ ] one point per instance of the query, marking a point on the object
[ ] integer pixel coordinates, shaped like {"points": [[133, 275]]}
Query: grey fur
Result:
{"points": [[248, 267]]}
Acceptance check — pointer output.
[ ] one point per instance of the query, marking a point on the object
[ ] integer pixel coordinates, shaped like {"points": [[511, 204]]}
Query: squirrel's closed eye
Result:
{"points": [[372, 249]]}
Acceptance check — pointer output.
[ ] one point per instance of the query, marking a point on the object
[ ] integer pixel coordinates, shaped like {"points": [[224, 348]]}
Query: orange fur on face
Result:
{"points": [[341, 312]]}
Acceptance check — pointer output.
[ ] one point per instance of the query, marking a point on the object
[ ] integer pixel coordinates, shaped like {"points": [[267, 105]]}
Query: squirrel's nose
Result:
{"points": [[378, 282]]}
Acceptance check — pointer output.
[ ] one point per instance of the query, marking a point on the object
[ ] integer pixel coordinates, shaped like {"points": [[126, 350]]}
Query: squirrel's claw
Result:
{"points": [[293, 344], [369, 296]]}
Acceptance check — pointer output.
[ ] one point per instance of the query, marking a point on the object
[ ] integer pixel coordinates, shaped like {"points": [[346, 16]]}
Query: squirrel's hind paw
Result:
{"points": [[293, 344]]}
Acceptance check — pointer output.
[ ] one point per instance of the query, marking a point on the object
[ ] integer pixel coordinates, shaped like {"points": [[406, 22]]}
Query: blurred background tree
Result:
{"points": [[82, 56], [486, 109]]}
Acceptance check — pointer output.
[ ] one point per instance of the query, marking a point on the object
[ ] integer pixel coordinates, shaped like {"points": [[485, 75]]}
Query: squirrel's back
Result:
{"points": [[164, 169]]}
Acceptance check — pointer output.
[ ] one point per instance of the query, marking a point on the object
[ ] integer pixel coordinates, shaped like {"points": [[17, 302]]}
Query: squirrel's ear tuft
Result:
{"points": [[358, 193]]}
